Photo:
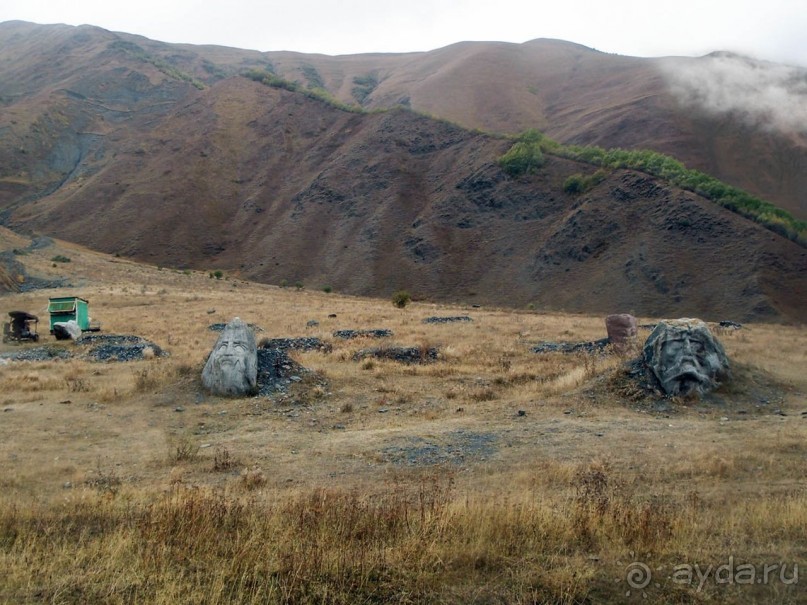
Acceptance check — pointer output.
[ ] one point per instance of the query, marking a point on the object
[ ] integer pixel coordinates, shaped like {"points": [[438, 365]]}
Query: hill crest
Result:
{"points": [[121, 149]]}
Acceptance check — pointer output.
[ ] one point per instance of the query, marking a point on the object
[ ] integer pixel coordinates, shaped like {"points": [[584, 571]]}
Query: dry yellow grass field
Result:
{"points": [[494, 475]]}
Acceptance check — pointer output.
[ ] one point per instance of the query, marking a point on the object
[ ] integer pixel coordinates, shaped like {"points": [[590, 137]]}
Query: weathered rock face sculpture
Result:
{"points": [[232, 368], [685, 357]]}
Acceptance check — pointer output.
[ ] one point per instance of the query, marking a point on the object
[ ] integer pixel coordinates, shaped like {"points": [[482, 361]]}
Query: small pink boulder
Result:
{"points": [[622, 329]]}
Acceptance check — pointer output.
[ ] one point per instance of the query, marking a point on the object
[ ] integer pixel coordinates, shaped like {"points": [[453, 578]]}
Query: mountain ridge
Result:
{"points": [[130, 156]]}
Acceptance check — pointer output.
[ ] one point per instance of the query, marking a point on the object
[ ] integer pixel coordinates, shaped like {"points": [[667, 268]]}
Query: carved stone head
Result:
{"points": [[232, 367], [685, 357]]}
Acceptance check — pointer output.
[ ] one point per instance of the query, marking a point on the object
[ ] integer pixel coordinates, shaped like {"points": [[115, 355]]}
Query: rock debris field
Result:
{"points": [[93, 347], [455, 448], [447, 320]]}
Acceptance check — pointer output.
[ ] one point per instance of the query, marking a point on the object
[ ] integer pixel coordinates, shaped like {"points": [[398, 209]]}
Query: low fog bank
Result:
{"points": [[764, 94]]}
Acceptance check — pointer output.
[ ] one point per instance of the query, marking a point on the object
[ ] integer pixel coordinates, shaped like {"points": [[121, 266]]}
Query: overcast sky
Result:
{"points": [[767, 29]]}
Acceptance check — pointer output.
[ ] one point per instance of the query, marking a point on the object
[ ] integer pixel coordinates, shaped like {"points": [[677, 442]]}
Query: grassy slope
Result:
{"points": [[303, 499]]}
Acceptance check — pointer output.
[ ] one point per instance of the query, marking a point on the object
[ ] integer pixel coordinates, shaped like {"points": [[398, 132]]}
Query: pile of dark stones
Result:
{"points": [[219, 327], [37, 354], [457, 448], [447, 320], [350, 334], [303, 343], [400, 354], [593, 346], [102, 348], [276, 370], [118, 347]]}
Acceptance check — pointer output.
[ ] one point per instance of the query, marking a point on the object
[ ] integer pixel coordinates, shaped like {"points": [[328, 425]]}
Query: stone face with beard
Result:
{"points": [[685, 357], [232, 367]]}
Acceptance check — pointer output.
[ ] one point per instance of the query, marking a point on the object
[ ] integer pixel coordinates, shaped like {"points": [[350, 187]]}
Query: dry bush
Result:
{"points": [[223, 461], [182, 448], [252, 478]]}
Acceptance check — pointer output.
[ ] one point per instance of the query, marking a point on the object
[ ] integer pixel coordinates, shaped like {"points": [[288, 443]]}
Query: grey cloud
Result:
{"points": [[764, 94]]}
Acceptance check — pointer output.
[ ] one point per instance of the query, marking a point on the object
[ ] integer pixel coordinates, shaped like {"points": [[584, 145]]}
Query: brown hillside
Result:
{"points": [[576, 95], [277, 186], [572, 92]]}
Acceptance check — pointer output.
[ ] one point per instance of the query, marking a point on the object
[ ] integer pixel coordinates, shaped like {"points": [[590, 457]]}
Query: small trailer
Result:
{"points": [[21, 327], [70, 308]]}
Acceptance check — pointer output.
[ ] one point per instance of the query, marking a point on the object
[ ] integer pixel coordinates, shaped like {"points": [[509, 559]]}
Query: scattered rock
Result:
{"points": [[571, 347], [522, 413], [457, 447], [401, 354], [24, 282], [8, 409], [332, 316], [304, 343], [179, 408], [46, 353], [446, 320], [219, 327], [311, 323], [232, 366], [350, 334], [276, 370], [119, 347]]}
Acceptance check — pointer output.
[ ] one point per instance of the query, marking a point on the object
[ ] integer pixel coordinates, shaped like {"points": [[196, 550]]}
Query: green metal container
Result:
{"points": [[65, 308]]}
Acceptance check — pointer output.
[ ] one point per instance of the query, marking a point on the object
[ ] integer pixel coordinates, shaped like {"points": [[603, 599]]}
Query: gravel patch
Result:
{"points": [[571, 347], [303, 343], [458, 447], [119, 347], [219, 327], [401, 354], [277, 371], [447, 320], [38, 354], [350, 334]]}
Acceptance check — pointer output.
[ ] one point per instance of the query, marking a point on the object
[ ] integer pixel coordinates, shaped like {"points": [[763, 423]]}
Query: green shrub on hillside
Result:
{"points": [[577, 183], [269, 79], [312, 77], [525, 156], [659, 165], [364, 86]]}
